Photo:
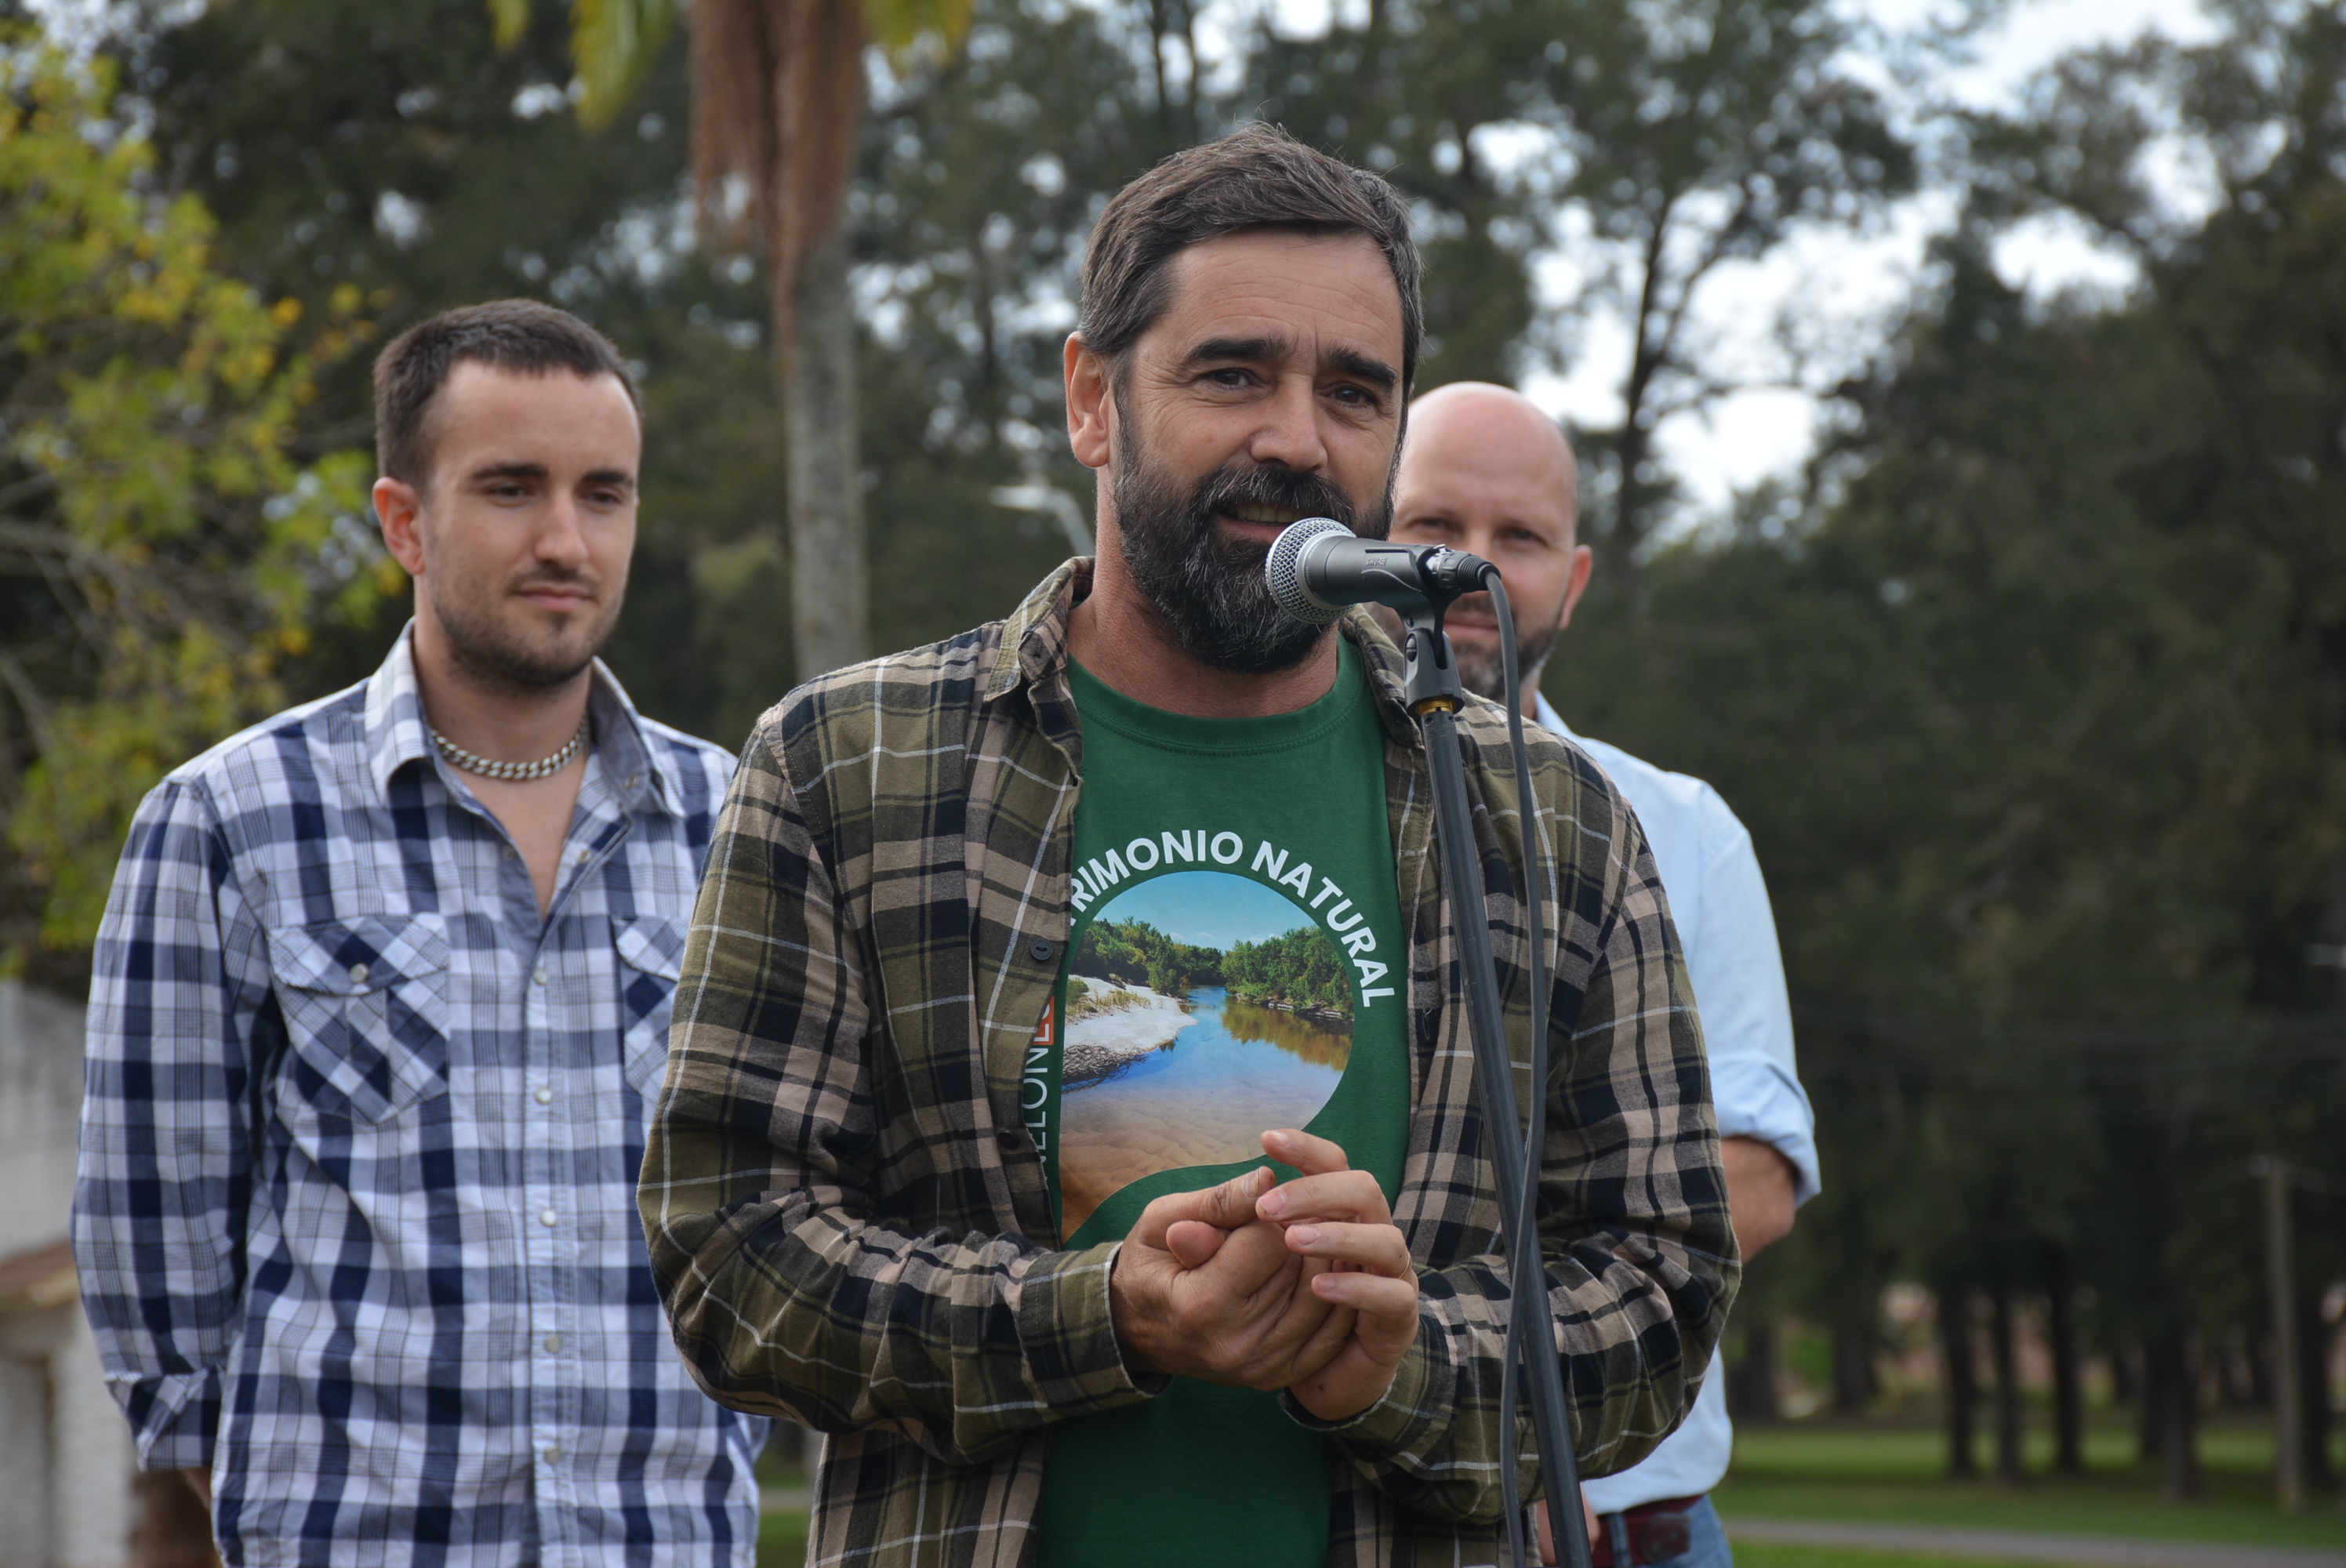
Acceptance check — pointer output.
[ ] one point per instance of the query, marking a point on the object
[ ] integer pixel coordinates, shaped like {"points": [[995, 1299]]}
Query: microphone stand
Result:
{"points": [[1434, 694]]}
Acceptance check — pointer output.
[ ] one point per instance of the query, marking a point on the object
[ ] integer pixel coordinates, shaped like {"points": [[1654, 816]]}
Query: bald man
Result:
{"points": [[1483, 470]]}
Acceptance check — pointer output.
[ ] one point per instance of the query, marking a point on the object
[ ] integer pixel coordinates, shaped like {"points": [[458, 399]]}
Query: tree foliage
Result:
{"points": [[1301, 969], [1135, 953], [2037, 726], [163, 551]]}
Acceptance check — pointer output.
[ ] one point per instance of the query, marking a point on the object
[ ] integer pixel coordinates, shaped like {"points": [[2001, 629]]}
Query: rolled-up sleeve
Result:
{"points": [[180, 1015], [1738, 971]]}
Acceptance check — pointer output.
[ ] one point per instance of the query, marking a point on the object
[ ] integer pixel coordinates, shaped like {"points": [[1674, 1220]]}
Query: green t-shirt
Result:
{"points": [[1235, 965]]}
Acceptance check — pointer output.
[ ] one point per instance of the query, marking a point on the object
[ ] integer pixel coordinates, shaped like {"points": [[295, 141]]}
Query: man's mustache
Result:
{"points": [[1284, 488]]}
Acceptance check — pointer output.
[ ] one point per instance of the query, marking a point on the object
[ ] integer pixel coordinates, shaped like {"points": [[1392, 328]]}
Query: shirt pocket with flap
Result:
{"points": [[651, 958], [366, 1014]]}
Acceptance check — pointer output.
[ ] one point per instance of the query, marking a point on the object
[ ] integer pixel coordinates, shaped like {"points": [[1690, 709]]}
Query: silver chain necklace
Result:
{"points": [[511, 772]]}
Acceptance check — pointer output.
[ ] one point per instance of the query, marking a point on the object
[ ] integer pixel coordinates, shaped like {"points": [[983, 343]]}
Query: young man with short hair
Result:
{"points": [[1018, 954], [381, 1000]]}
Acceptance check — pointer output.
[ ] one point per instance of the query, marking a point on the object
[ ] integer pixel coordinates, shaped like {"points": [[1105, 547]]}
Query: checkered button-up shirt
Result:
{"points": [[852, 1230], [356, 1224]]}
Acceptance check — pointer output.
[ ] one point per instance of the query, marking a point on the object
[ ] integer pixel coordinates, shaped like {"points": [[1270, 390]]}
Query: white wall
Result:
{"points": [[40, 1106], [66, 1458]]}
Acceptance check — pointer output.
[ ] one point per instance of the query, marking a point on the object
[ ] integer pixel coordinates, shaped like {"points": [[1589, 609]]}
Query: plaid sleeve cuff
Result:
{"points": [[173, 1418], [1421, 1398], [1064, 1323]]}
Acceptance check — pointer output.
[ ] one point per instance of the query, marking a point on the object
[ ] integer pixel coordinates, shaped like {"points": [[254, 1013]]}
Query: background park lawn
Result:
{"points": [[1879, 1473], [1876, 1473]]}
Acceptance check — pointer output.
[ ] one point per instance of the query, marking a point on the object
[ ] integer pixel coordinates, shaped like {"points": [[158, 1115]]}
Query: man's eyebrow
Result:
{"points": [[489, 470], [1214, 349], [611, 476], [1365, 368]]}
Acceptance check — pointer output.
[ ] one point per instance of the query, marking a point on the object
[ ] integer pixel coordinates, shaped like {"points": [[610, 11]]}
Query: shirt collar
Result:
{"points": [[1548, 718], [641, 775], [1034, 650]]}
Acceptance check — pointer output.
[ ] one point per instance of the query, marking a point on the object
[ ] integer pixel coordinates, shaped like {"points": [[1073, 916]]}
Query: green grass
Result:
{"points": [[1895, 1475], [1885, 1475], [783, 1541], [1761, 1555]]}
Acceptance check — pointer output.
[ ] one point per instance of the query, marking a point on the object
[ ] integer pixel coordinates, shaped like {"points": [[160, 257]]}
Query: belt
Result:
{"points": [[1656, 1532]]}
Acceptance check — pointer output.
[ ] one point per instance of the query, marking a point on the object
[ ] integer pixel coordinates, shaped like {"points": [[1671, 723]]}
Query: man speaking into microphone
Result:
{"points": [[1069, 1107]]}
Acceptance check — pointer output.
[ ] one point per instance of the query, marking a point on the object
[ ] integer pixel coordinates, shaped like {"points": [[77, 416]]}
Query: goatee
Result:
{"points": [[500, 654], [1480, 670], [1208, 593]]}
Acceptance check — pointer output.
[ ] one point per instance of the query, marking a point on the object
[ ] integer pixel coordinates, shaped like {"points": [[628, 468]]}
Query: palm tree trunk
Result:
{"points": [[829, 578]]}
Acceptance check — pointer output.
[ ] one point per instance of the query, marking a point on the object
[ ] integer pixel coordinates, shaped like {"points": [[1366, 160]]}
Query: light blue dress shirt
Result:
{"points": [[1719, 903]]}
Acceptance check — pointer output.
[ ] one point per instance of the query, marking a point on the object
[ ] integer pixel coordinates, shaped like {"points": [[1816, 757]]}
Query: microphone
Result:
{"points": [[1317, 567]]}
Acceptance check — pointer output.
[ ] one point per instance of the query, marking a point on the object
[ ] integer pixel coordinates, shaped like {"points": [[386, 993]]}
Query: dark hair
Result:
{"points": [[520, 335], [1256, 178]]}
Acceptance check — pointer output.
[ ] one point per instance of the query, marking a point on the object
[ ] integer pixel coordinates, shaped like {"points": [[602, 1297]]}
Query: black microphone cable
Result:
{"points": [[1527, 1271]]}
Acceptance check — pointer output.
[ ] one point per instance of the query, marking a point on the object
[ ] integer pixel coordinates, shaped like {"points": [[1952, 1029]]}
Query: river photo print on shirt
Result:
{"points": [[1202, 1007]]}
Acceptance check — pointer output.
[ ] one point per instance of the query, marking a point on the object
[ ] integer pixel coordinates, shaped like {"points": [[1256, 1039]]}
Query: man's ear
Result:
{"points": [[401, 511], [1583, 562], [1091, 404]]}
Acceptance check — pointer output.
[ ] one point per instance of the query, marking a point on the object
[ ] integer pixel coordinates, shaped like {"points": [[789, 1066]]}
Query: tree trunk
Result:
{"points": [[2002, 1344], [2312, 1374], [2282, 1369], [2171, 1401], [2068, 1374], [1962, 1381], [1751, 1383], [1853, 1366], [830, 596], [2126, 1375]]}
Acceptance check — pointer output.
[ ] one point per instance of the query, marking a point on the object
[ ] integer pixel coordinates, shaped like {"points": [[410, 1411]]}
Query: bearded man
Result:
{"points": [[1068, 1108], [380, 1004]]}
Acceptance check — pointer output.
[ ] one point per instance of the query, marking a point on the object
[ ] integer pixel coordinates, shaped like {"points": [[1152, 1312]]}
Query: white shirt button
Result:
{"points": [[508, 851], [357, 974], [553, 1344], [540, 974], [545, 1095], [549, 1217], [584, 857], [553, 1456]]}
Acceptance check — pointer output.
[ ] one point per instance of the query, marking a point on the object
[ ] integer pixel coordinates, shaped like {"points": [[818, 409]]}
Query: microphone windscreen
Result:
{"points": [[1282, 570]]}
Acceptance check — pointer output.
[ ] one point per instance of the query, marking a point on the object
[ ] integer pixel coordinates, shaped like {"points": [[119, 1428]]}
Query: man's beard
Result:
{"points": [[1210, 593], [497, 654], [1481, 671]]}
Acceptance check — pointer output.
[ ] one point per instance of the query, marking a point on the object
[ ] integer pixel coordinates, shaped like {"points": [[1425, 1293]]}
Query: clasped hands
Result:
{"points": [[1306, 1285]]}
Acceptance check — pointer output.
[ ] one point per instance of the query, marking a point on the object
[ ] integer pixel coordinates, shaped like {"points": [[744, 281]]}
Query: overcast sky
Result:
{"points": [[1832, 287], [1829, 281]]}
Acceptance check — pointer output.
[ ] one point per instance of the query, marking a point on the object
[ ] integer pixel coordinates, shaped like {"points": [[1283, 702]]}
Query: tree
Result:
{"points": [[2037, 725], [163, 554], [1665, 140], [778, 97]]}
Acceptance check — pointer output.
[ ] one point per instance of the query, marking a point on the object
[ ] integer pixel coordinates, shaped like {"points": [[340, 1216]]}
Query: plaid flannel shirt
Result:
{"points": [[851, 1230], [356, 1221]]}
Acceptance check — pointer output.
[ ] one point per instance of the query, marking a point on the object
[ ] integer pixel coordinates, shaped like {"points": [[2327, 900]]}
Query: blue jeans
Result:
{"points": [[1708, 1547]]}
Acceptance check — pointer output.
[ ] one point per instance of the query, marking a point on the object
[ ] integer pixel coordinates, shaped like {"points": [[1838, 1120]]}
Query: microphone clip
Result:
{"points": [[1430, 682]]}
